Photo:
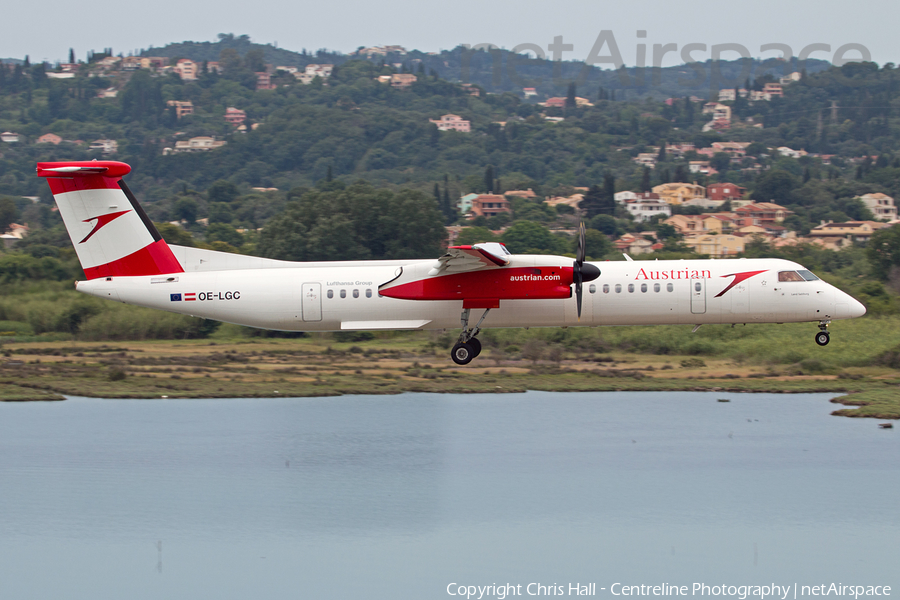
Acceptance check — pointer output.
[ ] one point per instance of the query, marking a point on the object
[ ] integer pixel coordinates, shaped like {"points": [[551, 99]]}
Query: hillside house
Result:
{"points": [[234, 116], [489, 205], [529, 193], [625, 196], [772, 90], [9, 137], [264, 81], [452, 123], [311, 71], [881, 205], [854, 230], [464, 204], [634, 244], [49, 138], [182, 109], [693, 224], [643, 210], [761, 213], [105, 146], [574, 201], [716, 245], [186, 69], [196, 144], [725, 191], [398, 80], [677, 193]]}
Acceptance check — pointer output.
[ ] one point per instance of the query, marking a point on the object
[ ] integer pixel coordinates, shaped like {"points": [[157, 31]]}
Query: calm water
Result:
{"points": [[398, 496]]}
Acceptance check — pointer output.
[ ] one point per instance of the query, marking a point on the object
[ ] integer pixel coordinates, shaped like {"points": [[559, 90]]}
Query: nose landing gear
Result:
{"points": [[822, 338], [467, 346]]}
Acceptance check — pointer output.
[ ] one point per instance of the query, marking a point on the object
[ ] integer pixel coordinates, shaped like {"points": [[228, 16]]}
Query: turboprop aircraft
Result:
{"points": [[124, 258]]}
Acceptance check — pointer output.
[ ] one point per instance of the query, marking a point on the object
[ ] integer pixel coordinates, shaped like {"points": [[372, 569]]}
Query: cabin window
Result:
{"points": [[656, 287], [789, 276], [618, 288], [630, 288], [330, 294], [592, 289], [343, 293], [807, 275], [605, 288], [356, 293], [643, 288], [670, 287], [698, 287], [368, 292]]}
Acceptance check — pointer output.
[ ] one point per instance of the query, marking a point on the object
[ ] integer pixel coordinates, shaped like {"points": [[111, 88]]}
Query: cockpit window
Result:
{"points": [[789, 276], [807, 275]]}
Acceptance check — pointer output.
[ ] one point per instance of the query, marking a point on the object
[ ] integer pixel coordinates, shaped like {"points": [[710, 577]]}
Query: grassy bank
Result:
{"points": [[858, 362]]}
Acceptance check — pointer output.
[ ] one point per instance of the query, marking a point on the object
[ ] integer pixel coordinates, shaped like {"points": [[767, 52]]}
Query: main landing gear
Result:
{"points": [[822, 338], [467, 346]]}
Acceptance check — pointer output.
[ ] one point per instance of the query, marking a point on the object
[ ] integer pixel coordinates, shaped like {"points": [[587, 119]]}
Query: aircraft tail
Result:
{"points": [[112, 235]]}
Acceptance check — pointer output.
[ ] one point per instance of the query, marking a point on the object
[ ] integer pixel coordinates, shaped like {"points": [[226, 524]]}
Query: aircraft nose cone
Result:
{"points": [[857, 309], [589, 272]]}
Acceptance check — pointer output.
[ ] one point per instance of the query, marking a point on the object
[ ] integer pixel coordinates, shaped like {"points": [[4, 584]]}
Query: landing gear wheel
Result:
{"points": [[822, 338], [462, 354], [476, 347]]}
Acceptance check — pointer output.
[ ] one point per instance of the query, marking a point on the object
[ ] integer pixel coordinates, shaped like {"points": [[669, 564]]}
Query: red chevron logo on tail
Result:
{"points": [[101, 221], [739, 277]]}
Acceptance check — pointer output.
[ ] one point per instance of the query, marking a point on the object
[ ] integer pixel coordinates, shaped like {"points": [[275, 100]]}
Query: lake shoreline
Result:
{"points": [[49, 371]]}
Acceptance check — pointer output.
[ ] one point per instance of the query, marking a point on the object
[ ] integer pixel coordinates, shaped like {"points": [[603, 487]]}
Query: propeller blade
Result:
{"points": [[578, 298], [579, 255]]}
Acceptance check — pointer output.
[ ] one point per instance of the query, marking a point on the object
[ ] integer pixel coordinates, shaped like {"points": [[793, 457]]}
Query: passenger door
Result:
{"points": [[312, 301], [698, 296]]}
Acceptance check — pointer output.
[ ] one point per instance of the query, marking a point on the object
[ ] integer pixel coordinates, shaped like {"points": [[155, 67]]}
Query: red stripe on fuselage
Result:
{"points": [[154, 259], [542, 283]]}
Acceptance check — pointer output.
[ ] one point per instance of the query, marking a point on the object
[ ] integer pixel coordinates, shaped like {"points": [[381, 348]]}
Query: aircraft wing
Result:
{"points": [[463, 259]]}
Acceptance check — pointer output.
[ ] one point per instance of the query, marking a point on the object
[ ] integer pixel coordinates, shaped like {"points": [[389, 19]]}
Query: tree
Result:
{"points": [[474, 235], [255, 60], [661, 156], [220, 232], [645, 180], [185, 209], [355, 223], [528, 237], [71, 56], [775, 186], [222, 191], [720, 161], [489, 179], [570, 97], [883, 251], [599, 200], [220, 212], [605, 224], [596, 245], [8, 212]]}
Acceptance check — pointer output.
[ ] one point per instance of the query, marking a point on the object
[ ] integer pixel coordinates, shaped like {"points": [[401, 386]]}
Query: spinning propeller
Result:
{"points": [[582, 272]]}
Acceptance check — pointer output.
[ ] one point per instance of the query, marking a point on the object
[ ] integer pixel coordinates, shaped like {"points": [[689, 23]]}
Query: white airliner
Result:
{"points": [[125, 259]]}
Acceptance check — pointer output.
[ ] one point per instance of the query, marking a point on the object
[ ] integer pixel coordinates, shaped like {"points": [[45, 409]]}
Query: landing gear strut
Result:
{"points": [[467, 346], [822, 338]]}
